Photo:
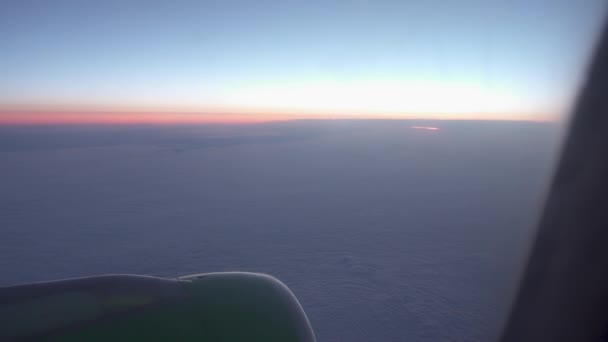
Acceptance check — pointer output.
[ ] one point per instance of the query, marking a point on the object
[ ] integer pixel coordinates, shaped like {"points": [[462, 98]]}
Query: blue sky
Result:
{"points": [[439, 58]]}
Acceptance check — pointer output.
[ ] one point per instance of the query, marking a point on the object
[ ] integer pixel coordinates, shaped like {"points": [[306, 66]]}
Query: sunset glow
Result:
{"points": [[118, 117], [176, 117], [234, 62]]}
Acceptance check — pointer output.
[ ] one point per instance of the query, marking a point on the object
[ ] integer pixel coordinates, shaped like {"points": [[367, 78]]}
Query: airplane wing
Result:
{"points": [[217, 307]]}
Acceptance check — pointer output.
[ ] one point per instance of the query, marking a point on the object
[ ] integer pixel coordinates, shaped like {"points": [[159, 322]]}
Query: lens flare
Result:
{"points": [[426, 128]]}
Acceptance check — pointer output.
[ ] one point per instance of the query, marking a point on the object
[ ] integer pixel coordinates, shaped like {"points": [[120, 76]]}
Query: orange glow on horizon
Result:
{"points": [[37, 117], [74, 116]]}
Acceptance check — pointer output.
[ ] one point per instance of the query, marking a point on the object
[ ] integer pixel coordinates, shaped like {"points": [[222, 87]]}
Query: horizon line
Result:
{"points": [[31, 116]]}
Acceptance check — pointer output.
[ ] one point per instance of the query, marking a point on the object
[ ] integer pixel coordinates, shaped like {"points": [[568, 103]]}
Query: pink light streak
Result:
{"points": [[427, 128]]}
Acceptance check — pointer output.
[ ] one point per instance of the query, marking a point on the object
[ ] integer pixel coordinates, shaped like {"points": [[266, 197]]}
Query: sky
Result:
{"points": [[214, 61]]}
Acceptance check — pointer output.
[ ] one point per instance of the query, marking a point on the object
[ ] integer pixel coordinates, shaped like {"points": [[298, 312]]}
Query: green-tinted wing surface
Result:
{"points": [[207, 307]]}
